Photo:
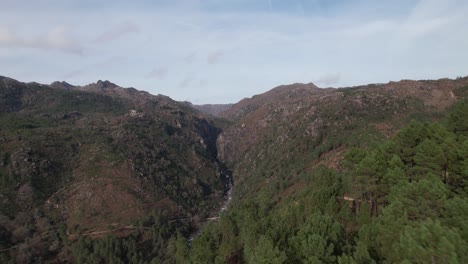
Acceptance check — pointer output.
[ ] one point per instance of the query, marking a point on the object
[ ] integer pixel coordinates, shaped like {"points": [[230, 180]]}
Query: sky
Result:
{"points": [[220, 51]]}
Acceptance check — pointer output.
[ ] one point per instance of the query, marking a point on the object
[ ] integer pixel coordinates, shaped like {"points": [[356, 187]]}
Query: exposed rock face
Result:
{"points": [[10, 99], [62, 85], [282, 94], [100, 154], [300, 122]]}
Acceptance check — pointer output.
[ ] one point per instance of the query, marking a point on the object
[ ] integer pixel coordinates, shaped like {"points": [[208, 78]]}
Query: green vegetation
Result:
{"points": [[403, 200], [162, 243], [108, 177], [76, 162]]}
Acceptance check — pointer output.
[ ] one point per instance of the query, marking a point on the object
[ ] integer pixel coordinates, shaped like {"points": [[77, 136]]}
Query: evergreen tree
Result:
{"points": [[320, 240], [430, 242], [266, 253]]}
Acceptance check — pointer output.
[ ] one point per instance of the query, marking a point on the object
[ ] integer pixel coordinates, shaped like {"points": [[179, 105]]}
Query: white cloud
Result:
{"points": [[55, 39], [6, 37], [118, 32], [190, 58], [428, 9], [202, 83], [158, 73], [328, 79], [369, 29], [370, 41], [214, 57], [187, 81]]}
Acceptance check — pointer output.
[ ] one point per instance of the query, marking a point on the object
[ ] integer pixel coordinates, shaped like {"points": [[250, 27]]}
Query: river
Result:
{"points": [[217, 214]]}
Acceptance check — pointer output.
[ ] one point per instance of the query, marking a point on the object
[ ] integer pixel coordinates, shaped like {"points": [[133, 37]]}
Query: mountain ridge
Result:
{"points": [[297, 119], [82, 159], [81, 162], [307, 89]]}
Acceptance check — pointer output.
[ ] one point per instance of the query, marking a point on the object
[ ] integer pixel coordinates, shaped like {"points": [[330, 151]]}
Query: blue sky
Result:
{"points": [[219, 51]]}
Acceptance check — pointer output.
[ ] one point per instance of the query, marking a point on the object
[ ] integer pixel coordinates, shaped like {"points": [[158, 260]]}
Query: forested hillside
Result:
{"points": [[105, 174], [402, 200], [290, 129], [315, 169], [81, 163]]}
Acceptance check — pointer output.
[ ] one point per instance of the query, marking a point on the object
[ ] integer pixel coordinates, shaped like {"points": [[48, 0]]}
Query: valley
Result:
{"points": [[299, 174]]}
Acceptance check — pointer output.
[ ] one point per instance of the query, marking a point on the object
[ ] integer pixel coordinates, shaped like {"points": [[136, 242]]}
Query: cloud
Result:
{"points": [[158, 73], [214, 57], [186, 82], [428, 9], [6, 37], [426, 18], [270, 6], [202, 83], [369, 41], [300, 8], [370, 28], [118, 32], [188, 26], [55, 39], [190, 57], [328, 79], [432, 16]]}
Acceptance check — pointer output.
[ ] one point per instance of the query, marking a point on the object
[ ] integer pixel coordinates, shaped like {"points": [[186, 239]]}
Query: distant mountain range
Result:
{"points": [[212, 109]]}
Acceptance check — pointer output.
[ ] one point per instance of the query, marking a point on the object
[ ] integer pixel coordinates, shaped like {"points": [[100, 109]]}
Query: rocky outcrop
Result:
{"points": [[91, 156], [62, 85], [281, 132]]}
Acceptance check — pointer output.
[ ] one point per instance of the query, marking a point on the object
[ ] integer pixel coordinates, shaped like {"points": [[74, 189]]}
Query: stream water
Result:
{"points": [[217, 214], [228, 196]]}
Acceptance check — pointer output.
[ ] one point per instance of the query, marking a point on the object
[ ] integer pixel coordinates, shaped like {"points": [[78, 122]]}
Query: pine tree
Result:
{"points": [[430, 242], [267, 253]]}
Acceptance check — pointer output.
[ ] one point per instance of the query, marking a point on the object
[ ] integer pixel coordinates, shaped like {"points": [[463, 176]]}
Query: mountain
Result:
{"points": [[367, 174], [282, 94], [212, 109], [62, 85], [291, 128], [104, 174], [90, 159]]}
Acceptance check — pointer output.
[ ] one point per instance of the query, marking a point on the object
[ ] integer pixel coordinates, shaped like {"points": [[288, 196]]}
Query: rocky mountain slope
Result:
{"points": [[369, 174], [99, 157], [79, 163], [290, 129]]}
